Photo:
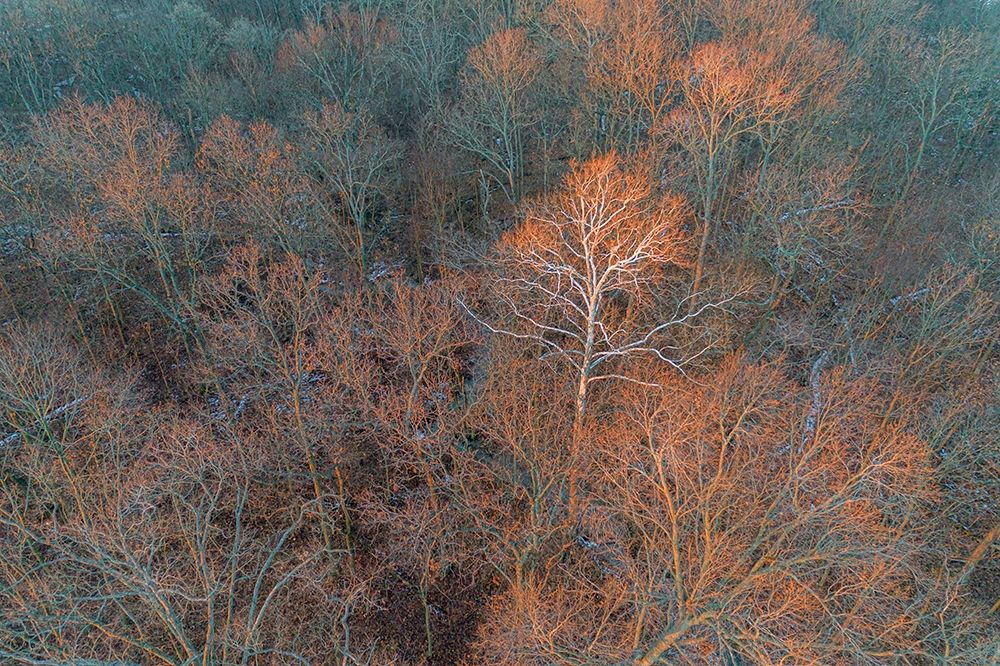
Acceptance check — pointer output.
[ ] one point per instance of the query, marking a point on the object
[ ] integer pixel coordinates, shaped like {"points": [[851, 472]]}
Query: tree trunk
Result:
{"points": [[699, 266]]}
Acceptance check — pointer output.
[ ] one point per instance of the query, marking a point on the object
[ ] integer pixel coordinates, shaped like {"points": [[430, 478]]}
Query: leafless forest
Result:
{"points": [[499, 332]]}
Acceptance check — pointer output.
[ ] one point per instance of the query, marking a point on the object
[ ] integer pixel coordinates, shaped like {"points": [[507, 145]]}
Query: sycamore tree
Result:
{"points": [[578, 274]]}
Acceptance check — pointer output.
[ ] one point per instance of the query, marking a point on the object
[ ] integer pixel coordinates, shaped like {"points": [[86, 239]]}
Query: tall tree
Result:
{"points": [[578, 275], [495, 111], [353, 166]]}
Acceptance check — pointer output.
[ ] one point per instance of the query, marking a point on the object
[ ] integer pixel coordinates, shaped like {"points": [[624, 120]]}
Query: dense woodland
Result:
{"points": [[514, 332]]}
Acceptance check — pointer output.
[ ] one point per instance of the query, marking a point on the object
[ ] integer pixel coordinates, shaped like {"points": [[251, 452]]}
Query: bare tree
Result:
{"points": [[261, 317], [430, 51], [172, 568], [767, 76], [127, 210], [725, 101], [578, 273], [353, 163], [495, 111], [514, 494], [403, 347], [730, 526], [614, 70], [344, 56], [257, 185], [937, 81]]}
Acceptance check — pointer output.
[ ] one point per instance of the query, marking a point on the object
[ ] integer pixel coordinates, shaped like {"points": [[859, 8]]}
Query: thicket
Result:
{"points": [[499, 332]]}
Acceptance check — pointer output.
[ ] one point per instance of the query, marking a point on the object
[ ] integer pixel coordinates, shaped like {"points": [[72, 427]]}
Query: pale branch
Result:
{"points": [[717, 305], [912, 297], [530, 286], [815, 376], [55, 413], [631, 380], [556, 350], [835, 205], [545, 327]]}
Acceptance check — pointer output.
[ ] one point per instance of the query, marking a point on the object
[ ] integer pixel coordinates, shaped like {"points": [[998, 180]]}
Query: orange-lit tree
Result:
{"points": [[731, 525], [577, 277], [626, 53], [766, 82]]}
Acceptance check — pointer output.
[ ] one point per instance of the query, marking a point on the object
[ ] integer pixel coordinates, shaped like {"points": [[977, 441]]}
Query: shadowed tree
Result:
{"points": [[495, 111], [257, 185], [353, 167], [344, 57], [262, 317], [127, 210]]}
